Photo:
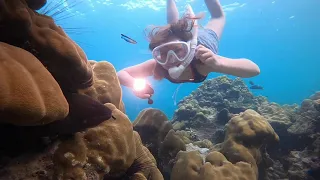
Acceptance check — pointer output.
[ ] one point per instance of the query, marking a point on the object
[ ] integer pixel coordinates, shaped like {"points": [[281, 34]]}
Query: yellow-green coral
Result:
{"points": [[204, 143], [191, 166], [106, 87], [178, 125], [275, 113], [145, 164], [245, 135], [108, 149], [157, 134]]}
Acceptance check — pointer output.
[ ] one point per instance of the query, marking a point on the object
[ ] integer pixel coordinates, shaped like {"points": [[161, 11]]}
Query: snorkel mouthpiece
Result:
{"points": [[175, 72]]}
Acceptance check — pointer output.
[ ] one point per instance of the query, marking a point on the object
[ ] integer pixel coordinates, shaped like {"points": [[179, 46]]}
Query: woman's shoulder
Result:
{"points": [[149, 64], [142, 69]]}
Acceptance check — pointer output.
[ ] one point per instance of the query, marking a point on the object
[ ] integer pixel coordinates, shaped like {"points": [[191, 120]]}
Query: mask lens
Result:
{"points": [[159, 57], [180, 49]]}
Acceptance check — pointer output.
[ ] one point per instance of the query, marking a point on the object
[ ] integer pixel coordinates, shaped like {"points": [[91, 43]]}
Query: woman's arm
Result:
{"points": [[238, 67], [127, 75], [214, 63], [172, 12]]}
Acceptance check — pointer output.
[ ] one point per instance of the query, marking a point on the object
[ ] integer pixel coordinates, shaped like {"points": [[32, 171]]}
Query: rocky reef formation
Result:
{"points": [[61, 116], [209, 107], [236, 158], [191, 166], [205, 113], [158, 136]]}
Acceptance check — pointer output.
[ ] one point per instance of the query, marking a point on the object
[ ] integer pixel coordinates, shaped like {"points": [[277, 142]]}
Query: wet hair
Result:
{"points": [[158, 35]]}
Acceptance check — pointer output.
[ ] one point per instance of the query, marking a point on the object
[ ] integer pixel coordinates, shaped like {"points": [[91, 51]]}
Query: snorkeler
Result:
{"points": [[184, 52]]}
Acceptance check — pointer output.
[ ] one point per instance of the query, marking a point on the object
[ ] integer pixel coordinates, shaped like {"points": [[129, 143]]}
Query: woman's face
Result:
{"points": [[179, 49]]}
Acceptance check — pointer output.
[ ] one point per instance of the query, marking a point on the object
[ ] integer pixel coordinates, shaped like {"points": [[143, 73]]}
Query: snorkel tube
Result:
{"points": [[175, 72]]}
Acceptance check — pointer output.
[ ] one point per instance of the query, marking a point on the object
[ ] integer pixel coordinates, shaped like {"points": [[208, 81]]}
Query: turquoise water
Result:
{"points": [[281, 36]]}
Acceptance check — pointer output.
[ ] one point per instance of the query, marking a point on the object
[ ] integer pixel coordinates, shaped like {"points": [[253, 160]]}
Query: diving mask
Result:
{"points": [[176, 56], [171, 52]]}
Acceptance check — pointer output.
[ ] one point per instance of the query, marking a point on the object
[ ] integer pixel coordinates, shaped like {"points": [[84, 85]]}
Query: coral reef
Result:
{"points": [[191, 166], [25, 28], [246, 134], [103, 89], [300, 162], [109, 149], [29, 95], [43, 94], [210, 107], [298, 151], [238, 155], [280, 118], [306, 119], [28, 166], [158, 136], [62, 117], [203, 115]]}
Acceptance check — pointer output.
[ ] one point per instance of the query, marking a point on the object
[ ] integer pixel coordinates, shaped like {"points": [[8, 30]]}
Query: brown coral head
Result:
{"points": [[36, 4], [22, 26]]}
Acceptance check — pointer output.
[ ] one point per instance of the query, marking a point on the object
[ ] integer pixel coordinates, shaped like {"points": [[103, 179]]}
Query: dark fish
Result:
{"points": [[128, 39], [251, 83], [223, 116], [84, 112], [256, 87]]}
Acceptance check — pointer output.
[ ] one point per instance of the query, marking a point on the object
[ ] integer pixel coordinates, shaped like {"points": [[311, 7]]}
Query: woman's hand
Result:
{"points": [[145, 93], [206, 56], [141, 94]]}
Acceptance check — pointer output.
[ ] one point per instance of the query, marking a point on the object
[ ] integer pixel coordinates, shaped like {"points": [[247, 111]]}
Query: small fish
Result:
{"points": [[251, 82], [128, 39], [256, 87]]}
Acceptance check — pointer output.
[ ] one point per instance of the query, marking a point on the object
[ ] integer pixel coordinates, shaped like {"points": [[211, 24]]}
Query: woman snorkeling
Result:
{"points": [[184, 52]]}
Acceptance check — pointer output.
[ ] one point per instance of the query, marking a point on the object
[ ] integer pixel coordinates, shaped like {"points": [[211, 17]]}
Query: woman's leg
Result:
{"points": [[218, 19], [172, 12]]}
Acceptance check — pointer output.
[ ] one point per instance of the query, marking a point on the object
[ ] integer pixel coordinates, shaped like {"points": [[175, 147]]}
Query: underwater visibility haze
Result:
{"points": [[64, 114], [279, 36]]}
